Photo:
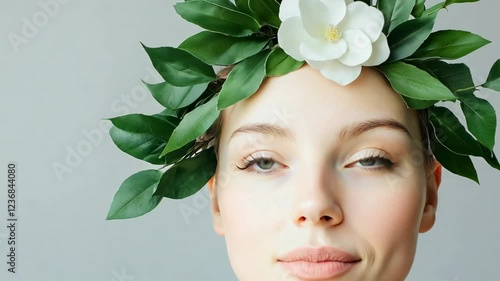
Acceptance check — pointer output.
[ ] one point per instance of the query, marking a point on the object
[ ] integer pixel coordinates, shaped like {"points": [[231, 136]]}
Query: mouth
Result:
{"points": [[318, 263]]}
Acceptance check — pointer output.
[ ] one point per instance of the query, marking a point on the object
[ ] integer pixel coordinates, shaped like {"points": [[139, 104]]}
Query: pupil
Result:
{"points": [[267, 164], [367, 162]]}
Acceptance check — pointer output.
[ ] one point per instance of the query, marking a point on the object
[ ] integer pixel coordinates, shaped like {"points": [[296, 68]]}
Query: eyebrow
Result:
{"points": [[350, 131]]}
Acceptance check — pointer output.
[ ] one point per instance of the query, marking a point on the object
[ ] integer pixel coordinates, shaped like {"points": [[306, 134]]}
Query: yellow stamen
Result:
{"points": [[333, 33]]}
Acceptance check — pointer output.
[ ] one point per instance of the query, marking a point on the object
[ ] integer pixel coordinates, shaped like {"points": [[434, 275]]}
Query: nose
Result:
{"points": [[316, 200]]}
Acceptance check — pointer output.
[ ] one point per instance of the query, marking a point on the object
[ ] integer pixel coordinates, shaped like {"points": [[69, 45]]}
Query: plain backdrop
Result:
{"points": [[83, 62]]}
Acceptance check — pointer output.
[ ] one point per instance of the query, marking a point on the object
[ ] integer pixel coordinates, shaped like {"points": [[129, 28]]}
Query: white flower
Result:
{"points": [[337, 37]]}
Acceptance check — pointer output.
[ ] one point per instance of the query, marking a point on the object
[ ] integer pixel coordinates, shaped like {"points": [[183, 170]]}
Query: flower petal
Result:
{"points": [[322, 49], [380, 52], [314, 16], [363, 17], [359, 47], [336, 71], [290, 35], [289, 9], [337, 10]]}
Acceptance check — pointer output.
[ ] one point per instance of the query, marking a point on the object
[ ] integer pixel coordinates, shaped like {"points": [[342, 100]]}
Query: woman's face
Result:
{"points": [[347, 172]]}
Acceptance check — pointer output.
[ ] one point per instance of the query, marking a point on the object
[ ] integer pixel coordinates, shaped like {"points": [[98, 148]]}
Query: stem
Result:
{"points": [[467, 89]]}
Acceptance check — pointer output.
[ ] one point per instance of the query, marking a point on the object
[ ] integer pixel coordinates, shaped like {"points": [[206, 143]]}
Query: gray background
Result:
{"points": [[85, 63]]}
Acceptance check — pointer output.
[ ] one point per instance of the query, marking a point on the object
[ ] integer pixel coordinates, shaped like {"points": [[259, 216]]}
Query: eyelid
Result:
{"points": [[368, 153]]}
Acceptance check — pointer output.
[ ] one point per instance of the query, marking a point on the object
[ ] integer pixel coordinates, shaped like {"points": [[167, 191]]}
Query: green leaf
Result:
{"points": [[135, 196], [457, 164], [457, 77], [481, 119], [280, 63], [418, 9], [490, 157], [412, 82], [225, 3], [219, 49], [418, 104], [217, 18], [193, 125], [173, 97], [395, 12], [266, 11], [449, 2], [143, 137], [243, 6], [179, 67], [433, 10], [407, 37], [451, 133], [188, 176], [493, 81], [166, 113], [449, 45], [244, 80]]}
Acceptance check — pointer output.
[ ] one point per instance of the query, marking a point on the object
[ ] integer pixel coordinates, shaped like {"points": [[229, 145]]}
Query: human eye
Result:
{"points": [[258, 164], [373, 161]]}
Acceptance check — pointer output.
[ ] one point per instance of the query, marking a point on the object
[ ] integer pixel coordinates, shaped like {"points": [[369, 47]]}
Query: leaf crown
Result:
{"points": [[243, 34]]}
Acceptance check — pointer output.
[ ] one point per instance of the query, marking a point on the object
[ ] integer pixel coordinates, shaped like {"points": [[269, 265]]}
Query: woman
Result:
{"points": [[338, 191], [327, 144]]}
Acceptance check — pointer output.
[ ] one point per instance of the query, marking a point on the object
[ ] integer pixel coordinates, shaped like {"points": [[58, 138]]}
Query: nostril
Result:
{"points": [[326, 218]]}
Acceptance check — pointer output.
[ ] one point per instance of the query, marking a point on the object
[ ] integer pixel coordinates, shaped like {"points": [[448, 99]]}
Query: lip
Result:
{"points": [[318, 263]]}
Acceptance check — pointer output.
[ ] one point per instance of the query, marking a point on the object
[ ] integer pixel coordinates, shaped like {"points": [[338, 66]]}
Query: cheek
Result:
{"points": [[387, 220], [250, 227]]}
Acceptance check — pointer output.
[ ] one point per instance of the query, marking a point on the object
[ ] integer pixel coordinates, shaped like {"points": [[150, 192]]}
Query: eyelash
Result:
{"points": [[247, 163], [386, 163]]}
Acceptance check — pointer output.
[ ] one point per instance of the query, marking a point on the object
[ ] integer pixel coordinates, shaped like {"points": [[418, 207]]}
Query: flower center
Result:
{"points": [[333, 33]]}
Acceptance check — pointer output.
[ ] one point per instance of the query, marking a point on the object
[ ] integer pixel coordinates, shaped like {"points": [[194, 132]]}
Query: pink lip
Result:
{"points": [[318, 263]]}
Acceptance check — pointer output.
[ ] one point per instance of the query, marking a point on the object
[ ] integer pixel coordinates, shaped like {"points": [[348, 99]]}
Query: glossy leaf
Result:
{"points": [[412, 82], [225, 3], [244, 80], [217, 18], [219, 49], [180, 68], [407, 37], [418, 104], [433, 10], [395, 12], [135, 196], [142, 136], [457, 77], [449, 45], [280, 63], [481, 119], [243, 6], [173, 97], [418, 9], [490, 157], [266, 11], [493, 81], [451, 133], [458, 164], [193, 125], [188, 176]]}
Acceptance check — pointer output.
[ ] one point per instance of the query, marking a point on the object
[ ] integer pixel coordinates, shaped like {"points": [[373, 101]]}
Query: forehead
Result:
{"points": [[306, 101]]}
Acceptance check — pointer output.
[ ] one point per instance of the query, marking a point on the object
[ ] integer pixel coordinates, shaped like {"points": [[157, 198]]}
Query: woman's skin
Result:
{"points": [[316, 191]]}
